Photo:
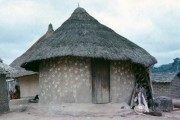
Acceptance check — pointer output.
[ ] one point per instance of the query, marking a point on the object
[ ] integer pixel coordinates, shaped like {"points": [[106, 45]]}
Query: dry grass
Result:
{"points": [[82, 35]]}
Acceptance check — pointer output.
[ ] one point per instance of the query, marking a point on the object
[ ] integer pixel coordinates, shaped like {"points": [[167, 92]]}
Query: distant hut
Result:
{"points": [[28, 80], [4, 70], [87, 62], [166, 84], [175, 87]]}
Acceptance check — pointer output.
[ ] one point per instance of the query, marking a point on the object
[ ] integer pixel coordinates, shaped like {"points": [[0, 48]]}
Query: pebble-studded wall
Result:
{"points": [[122, 81], [65, 80], [4, 103], [68, 80]]}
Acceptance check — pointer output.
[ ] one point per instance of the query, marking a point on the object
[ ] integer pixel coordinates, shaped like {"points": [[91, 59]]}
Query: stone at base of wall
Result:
{"points": [[19, 101], [165, 104]]}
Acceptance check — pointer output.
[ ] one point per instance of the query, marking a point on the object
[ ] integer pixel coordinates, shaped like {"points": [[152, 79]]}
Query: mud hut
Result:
{"points": [[4, 70], [28, 80], [87, 62], [166, 84]]}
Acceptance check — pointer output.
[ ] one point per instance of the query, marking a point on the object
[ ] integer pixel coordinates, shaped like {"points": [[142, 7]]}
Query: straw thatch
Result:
{"points": [[18, 61], [82, 35], [163, 77], [6, 69]]}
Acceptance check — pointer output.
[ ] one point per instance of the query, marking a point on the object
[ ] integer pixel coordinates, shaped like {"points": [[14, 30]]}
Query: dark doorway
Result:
{"points": [[100, 81]]}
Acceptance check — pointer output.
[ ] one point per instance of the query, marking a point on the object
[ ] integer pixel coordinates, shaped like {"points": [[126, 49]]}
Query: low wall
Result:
{"points": [[4, 105], [161, 89], [29, 85]]}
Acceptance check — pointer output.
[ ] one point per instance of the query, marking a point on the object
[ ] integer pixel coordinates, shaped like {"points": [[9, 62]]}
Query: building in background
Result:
{"points": [[4, 101], [166, 84], [27, 80]]}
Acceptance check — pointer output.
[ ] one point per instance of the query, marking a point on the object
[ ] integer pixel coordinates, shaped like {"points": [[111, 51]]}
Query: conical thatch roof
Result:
{"points": [[18, 61], [82, 35], [6, 69]]}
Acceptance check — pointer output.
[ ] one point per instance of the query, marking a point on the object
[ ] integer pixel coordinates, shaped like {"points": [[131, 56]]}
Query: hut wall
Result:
{"points": [[29, 85], [161, 89], [175, 88], [65, 80], [4, 105], [122, 81]]}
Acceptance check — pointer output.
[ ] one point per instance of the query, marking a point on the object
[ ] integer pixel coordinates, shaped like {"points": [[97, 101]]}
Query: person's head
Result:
{"points": [[17, 87]]}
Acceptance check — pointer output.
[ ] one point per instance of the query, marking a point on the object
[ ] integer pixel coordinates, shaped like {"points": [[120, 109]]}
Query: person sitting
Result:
{"points": [[16, 94]]}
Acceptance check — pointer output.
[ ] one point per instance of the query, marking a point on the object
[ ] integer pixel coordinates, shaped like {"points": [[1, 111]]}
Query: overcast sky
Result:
{"points": [[152, 24]]}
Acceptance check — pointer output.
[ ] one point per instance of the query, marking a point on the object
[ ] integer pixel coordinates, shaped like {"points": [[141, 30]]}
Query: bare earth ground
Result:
{"points": [[29, 112]]}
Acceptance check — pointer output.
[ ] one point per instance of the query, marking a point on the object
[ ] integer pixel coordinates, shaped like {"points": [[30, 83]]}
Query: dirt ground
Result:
{"points": [[24, 113], [175, 115]]}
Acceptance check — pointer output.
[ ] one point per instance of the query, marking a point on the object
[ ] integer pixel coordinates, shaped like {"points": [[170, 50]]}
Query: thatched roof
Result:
{"points": [[18, 61], [6, 69], [163, 77], [82, 35]]}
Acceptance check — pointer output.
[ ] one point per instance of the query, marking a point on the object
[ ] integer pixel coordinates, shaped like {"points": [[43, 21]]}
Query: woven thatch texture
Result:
{"points": [[82, 35], [5, 69], [18, 61], [163, 77]]}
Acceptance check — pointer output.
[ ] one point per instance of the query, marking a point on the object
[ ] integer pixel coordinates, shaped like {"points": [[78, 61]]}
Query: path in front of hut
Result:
{"points": [[29, 112]]}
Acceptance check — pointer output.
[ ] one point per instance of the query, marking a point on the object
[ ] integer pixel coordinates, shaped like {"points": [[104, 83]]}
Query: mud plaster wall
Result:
{"points": [[175, 88], [161, 89], [4, 103], [29, 85], [122, 81], [65, 80]]}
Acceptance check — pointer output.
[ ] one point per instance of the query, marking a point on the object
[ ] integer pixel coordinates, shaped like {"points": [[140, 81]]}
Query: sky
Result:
{"points": [[152, 24]]}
